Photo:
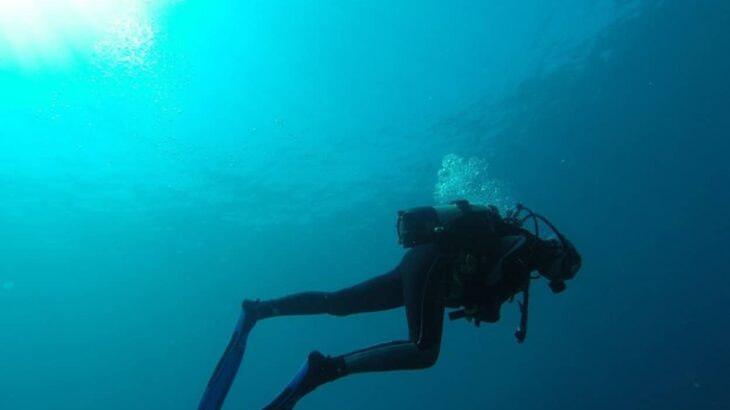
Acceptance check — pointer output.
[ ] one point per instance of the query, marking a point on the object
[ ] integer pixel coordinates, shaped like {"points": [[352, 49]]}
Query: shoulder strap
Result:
{"points": [[510, 245]]}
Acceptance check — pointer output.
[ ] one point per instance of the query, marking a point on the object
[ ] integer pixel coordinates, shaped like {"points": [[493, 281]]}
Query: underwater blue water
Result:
{"points": [[163, 160]]}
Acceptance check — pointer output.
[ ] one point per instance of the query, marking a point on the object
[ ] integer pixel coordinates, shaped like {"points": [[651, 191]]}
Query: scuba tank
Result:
{"points": [[446, 225]]}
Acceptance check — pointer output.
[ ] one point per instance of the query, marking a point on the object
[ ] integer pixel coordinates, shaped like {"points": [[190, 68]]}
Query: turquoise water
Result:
{"points": [[162, 160]]}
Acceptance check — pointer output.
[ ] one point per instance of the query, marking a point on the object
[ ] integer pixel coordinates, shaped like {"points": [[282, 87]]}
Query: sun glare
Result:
{"points": [[37, 33]]}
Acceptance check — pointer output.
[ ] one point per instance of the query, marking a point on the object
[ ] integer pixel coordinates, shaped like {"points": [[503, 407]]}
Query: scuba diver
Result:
{"points": [[461, 256]]}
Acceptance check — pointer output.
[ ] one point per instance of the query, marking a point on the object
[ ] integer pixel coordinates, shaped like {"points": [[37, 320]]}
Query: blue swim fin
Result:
{"points": [[315, 371], [225, 371], [293, 391]]}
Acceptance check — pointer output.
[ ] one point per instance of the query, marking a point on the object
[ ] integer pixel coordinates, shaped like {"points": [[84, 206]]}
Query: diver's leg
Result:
{"points": [[422, 292], [422, 281], [380, 293]]}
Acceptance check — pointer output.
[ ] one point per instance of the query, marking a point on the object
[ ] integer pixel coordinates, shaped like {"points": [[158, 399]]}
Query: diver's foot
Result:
{"points": [[256, 310], [316, 371], [322, 369], [253, 311]]}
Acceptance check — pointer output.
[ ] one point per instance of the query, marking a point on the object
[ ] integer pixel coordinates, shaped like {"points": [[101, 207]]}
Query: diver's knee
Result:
{"points": [[428, 356]]}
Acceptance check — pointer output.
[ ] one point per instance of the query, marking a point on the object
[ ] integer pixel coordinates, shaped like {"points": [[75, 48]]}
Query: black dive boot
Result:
{"points": [[255, 310], [316, 371]]}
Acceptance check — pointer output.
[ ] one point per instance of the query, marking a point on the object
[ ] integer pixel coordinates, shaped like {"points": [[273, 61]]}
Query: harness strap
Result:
{"points": [[521, 332]]}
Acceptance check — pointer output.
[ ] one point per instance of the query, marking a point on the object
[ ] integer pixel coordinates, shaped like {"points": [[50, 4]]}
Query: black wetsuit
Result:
{"points": [[428, 278]]}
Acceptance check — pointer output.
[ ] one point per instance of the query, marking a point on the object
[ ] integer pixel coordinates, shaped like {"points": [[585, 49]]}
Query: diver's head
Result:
{"points": [[558, 261]]}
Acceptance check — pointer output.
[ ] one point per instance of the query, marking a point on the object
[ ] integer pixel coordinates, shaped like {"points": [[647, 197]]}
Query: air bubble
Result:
{"points": [[468, 178]]}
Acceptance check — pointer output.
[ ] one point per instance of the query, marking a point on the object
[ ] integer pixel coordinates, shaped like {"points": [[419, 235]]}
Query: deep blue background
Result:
{"points": [[265, 147]]}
